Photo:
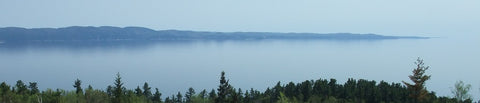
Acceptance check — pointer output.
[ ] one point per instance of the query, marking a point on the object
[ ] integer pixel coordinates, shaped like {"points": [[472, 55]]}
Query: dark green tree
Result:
{"points": [[110, 91], [33, 88], [5, 93], [223, 89], [203, 94], [156, 97], [417, 90], [21, 88], [189, 94], [78, 86], [276, 92], [138, 91], [118, 89], [212, 95], [179, 98], [147, 90], [168, 100]]}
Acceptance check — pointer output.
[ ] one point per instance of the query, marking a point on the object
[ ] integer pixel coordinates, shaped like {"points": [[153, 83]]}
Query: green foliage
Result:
{"points": [[179, 98], [189, 94], [309, 91], [223, 90], [417, 90], [118, 92], [33, 88], [147, 92], [460, 91], [78, 86], [157, 96]]}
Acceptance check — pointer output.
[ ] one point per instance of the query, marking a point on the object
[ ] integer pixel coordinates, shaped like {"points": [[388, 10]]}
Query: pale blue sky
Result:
{"points": [[388, 17]]}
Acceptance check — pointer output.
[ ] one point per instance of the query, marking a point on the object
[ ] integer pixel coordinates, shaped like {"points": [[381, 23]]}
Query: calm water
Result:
{"points": [[175, 66]]}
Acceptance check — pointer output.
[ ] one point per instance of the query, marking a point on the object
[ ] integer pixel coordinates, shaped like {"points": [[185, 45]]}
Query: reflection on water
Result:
{"points": [[174, 66]]}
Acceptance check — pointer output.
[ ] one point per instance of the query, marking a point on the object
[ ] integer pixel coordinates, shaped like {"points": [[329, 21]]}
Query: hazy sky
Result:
{"points": [[388, 17]]}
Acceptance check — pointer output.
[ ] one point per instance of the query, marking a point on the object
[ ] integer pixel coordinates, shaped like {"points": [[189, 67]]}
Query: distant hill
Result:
{"points": [[108, 33]]}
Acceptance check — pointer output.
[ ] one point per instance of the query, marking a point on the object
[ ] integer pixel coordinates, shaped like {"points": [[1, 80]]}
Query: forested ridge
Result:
{"points": [[308, 91], [109, 33]]}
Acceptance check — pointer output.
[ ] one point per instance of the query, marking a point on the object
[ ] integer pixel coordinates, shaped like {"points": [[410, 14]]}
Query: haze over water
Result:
{"points": [[175, 66]]}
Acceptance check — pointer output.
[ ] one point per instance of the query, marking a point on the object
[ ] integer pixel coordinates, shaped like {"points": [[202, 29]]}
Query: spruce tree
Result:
{"points": [[223, 89], [77, 85], [118, 92], [189, 94], [203, 94], [212, 95], [179, 98], [156, 97], [147, 90], [138, 91], [417, 90]]}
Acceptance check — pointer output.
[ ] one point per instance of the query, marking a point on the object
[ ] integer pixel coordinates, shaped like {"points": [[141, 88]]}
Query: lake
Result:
{"points": [[175, 66]]}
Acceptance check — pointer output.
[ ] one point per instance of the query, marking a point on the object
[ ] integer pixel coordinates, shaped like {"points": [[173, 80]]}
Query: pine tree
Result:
{"points": [[189, 94], [223, 90], [138, 91], [33, 88], [118, 92], [417, 90], [179, 98], [156, 97], [212, 95], [78, 87], [147, 90], [203, 94]]}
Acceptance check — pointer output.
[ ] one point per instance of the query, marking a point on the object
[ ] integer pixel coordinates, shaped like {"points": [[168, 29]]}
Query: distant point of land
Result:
{"points": [[109, 33]]}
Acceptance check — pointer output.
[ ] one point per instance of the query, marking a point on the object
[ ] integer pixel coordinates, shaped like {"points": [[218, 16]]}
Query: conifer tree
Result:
{"points": [[179, 98], [156, 97], [147, 90], [417, 90], [189, 94], [118, 92], [33, 88], [223, 89], [78, 87], [138, 91]]}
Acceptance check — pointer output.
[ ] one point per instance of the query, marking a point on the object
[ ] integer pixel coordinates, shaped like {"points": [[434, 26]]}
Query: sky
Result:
{"points": [[440, 18]]}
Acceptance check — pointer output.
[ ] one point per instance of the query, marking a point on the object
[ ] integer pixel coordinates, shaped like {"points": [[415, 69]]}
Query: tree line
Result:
{"points": [[308, 91]]}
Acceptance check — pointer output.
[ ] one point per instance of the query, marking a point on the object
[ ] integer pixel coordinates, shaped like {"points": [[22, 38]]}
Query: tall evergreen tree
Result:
{"points": [[203, 94], [118, 89], [223, 89], [179, 98], [147, 90], [189, 94], [156, 97], [138, 91], [168, 100], [417, 90], [212, 95], [78, 86], [110, 91]]}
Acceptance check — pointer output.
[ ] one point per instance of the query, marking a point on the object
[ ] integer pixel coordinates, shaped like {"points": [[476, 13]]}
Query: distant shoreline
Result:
{"points": [[109, 33]]}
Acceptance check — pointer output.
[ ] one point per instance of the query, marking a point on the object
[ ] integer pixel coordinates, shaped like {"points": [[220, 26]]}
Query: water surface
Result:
{"points": [[174, 66]]}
